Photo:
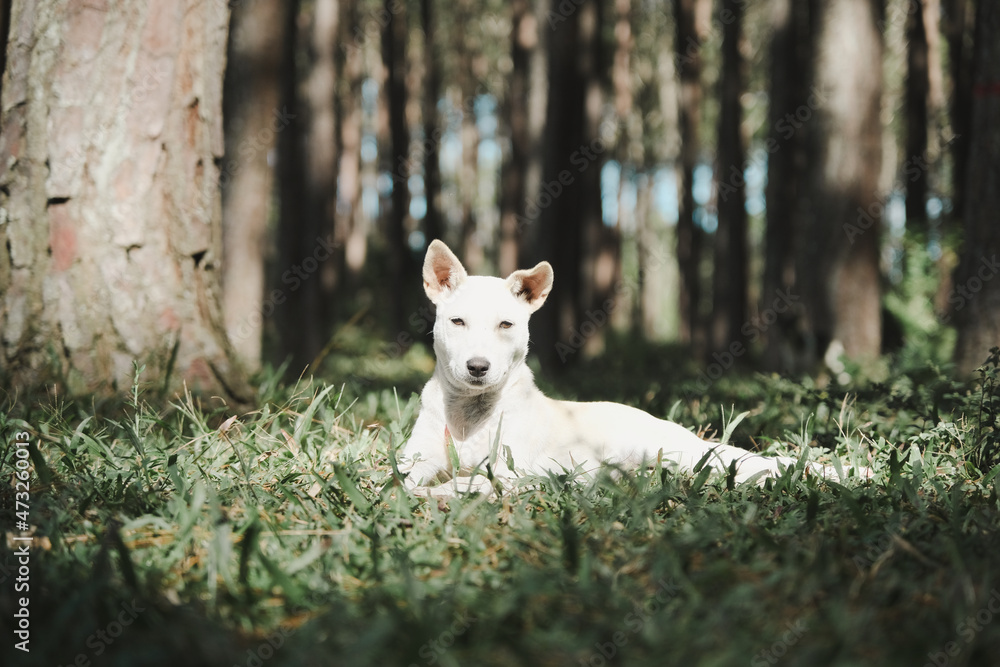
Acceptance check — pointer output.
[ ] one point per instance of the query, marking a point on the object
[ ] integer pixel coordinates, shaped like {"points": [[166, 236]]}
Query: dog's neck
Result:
{"points": [[467, 410]]}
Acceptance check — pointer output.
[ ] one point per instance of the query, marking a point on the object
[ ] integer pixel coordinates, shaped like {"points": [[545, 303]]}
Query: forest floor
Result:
{"points": [[184, 534]]}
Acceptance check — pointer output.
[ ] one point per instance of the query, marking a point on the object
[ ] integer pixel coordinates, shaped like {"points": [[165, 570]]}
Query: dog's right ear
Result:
{"points": [[443, 273]]}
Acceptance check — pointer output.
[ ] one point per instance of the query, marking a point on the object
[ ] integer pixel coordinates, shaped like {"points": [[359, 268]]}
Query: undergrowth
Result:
{"points": [[184, 534]]}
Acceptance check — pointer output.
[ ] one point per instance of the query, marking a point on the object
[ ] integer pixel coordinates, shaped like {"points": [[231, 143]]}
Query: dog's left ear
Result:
{"points": [[532, 285], [443, 273]]}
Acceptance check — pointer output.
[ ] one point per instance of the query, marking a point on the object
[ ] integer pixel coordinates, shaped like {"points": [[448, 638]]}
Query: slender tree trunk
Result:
{"points": [[531, 235], [791, 52], [5, 7], [960, 26], [731, 275], [561, 203], [352, 229], [689, 237], [307, 269], [976, 298], [433, 224], [917, 92], [839, 263], [253, 117], [394, 46], [109, 185], [524, 40]]}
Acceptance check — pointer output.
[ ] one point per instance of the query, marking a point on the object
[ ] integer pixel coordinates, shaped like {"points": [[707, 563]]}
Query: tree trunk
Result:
{"points": [[560, 203], [307, 270], [394, 43], [959, 31], [253, 116], [730, 275], [791, 53], [976, 297], [433, 223], [839, 263], [917, 92], [352, 229], [689, 237], [524, 40], [109, 187]]}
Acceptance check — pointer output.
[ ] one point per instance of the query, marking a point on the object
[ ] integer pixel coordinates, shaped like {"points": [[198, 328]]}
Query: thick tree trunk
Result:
{"points": [[976, 298], [730, 275], [109, 186], [689, 237], [253, 118], [839, 263]]}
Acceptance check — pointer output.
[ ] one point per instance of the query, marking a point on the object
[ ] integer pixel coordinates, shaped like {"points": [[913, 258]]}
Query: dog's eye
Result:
{"points": [[506, 325], [458, 321]]}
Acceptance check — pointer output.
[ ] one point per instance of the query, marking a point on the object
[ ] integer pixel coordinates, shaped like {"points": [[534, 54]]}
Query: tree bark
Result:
{"points": [[791, 53], [253, 116], [976, 297], [109, 184], [838, 270], [524, 40], [730, 275], [960, 24], [689, 237], [351, 226], [433, 223], [394, 47], [917, 92]]}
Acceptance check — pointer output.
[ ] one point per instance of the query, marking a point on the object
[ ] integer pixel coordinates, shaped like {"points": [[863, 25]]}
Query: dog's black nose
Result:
{"points": [[477, 366]]}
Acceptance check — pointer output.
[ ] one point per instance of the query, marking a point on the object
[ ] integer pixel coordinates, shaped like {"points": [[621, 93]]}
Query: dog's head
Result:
{"points": [[481, 329]]}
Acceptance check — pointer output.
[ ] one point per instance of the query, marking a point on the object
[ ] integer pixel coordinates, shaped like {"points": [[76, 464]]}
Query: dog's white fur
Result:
{"points": [[482, 387]]}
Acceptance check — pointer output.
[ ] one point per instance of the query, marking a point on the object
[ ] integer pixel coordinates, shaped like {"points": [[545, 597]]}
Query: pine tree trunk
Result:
{"points": [[976, 297], [524, 39], [839, 263], [791, 52], [917, 92], [433, 223], [689, 237], [730, 275], [109, 187], [253, 118], [959, 34], [394, 48], [351, 224]]}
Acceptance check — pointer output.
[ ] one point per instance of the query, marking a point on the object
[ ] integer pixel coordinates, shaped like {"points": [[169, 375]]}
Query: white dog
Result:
{"points": [[482, 407]]}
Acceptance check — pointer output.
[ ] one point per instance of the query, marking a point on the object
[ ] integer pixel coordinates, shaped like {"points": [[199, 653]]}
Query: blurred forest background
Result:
{"points": [[210, 187]]}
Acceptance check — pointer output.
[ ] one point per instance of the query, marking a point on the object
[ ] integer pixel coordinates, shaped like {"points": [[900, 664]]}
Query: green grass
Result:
{"points": [[281, 537]]}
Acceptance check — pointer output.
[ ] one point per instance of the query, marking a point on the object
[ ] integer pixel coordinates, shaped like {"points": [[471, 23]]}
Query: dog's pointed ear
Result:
{"points": [[532, 285], [443, 273]]}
